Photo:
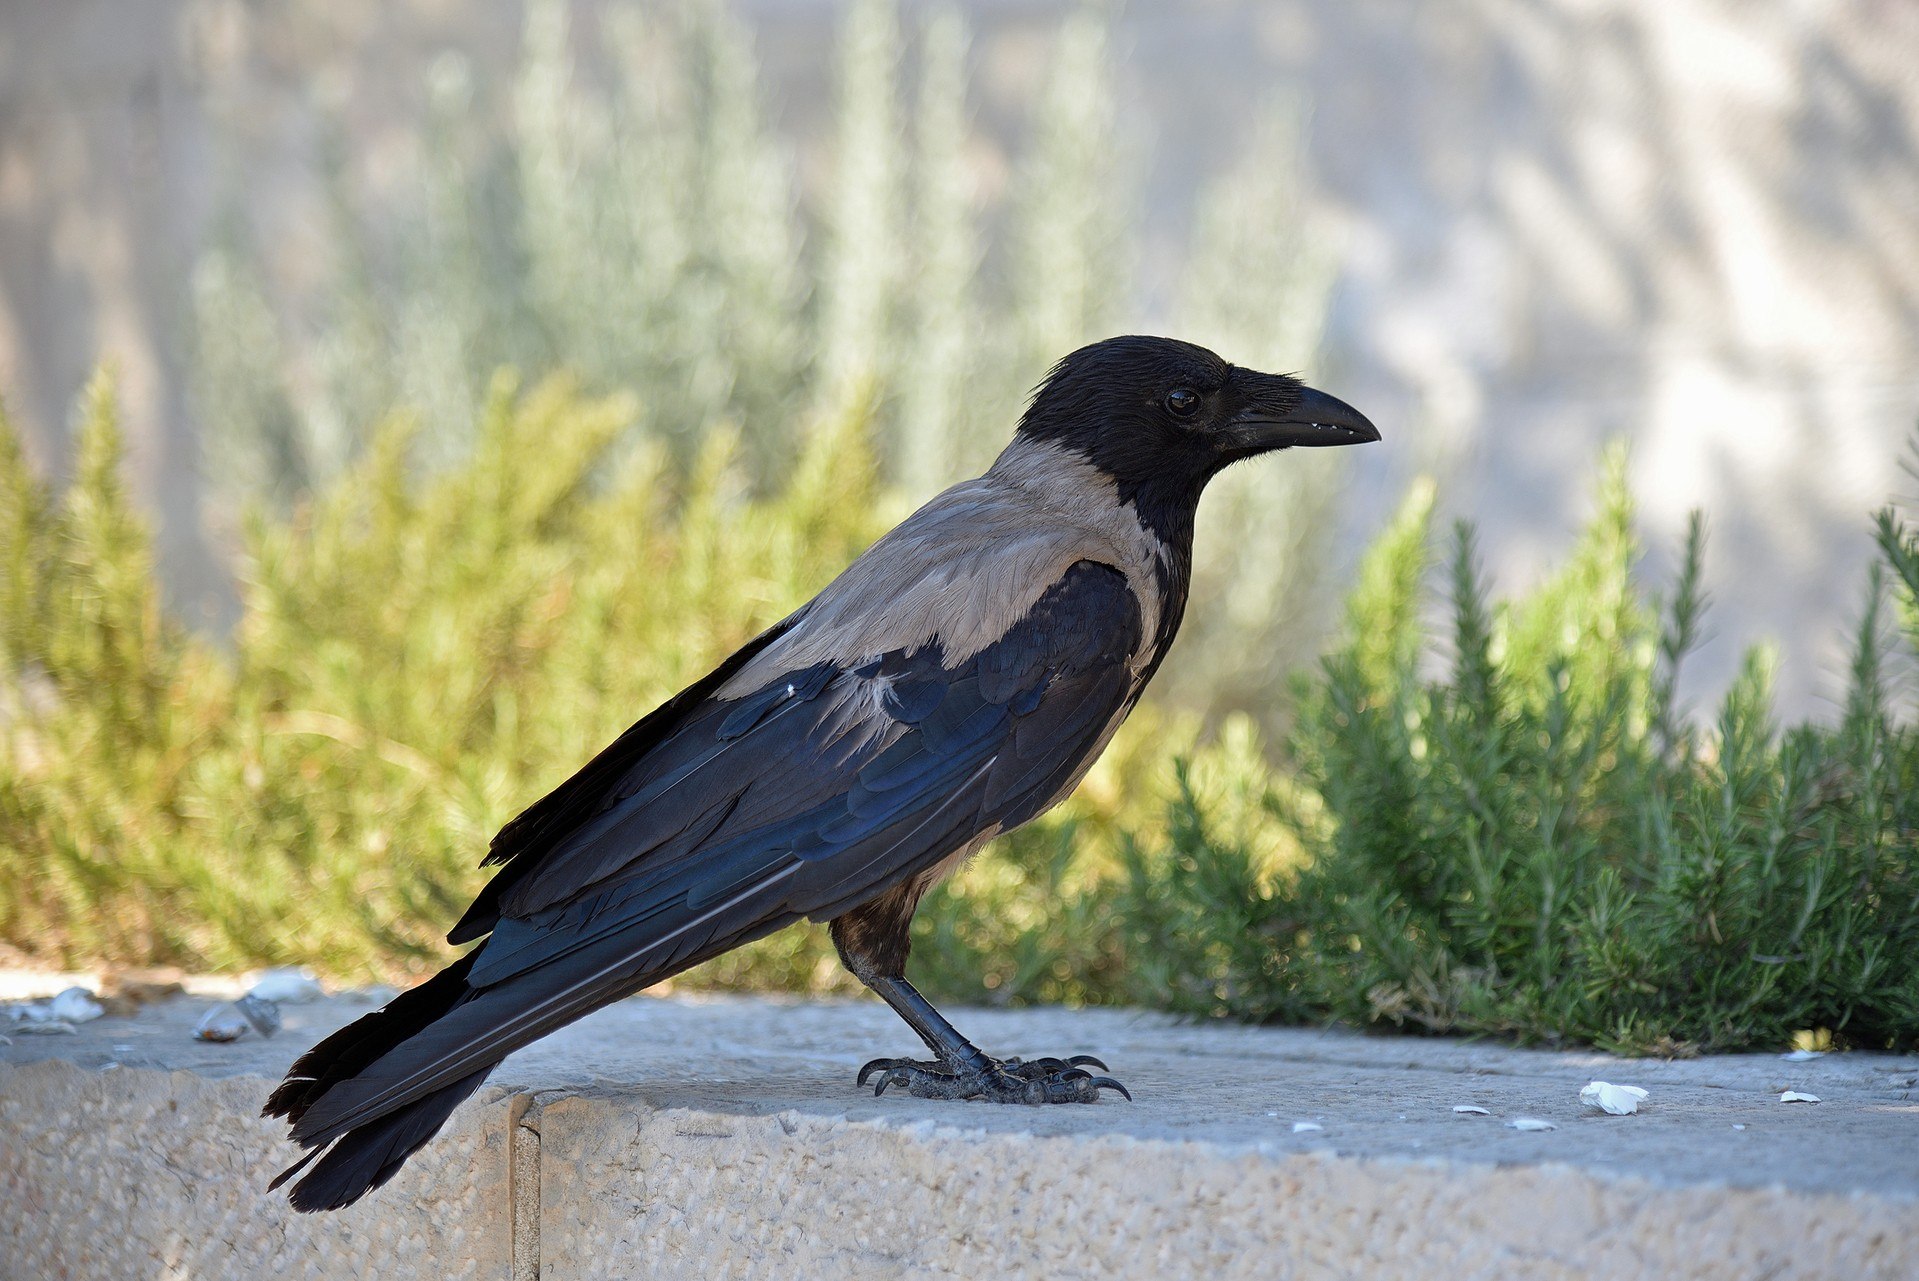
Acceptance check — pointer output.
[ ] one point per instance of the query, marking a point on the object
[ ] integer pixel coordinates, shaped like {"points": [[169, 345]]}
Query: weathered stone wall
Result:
{"points": [[138, 1173], [670, 1139], [142, 1174]]}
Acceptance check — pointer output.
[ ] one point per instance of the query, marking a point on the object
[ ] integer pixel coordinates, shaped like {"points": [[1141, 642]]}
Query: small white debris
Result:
{"points": [[222, 1023], [54, 1016], [1472, 1108], [1614, 1100], [231, 1021], [1304, 1127], [1794, 1096], [1803, 1056], [287, 986], [1737, 1126], [75, 1005], [1530, 1124], [263, 1014], [46, 1027], [1274, 1115]]}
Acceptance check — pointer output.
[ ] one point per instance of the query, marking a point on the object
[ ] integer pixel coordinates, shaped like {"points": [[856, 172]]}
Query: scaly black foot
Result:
{"points": [[1000, 1081]]}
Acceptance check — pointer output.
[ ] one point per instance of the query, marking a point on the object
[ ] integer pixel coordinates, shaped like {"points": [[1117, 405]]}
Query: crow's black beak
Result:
{"points": [[1314, 419]]}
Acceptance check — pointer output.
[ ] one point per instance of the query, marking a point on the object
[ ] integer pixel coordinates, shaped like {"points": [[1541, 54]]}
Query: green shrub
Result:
{"points": [[420, 653], [1207, 919], [1529, 839]]}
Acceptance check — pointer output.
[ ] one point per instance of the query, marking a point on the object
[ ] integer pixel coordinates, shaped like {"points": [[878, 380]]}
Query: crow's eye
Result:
{"points": [[1182, 402]]}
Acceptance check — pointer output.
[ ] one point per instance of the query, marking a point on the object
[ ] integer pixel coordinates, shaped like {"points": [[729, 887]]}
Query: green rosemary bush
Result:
{"points": [[1515, 831]]}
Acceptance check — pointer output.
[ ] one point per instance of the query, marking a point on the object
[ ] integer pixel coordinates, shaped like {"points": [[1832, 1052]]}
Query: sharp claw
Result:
{"points": [[1012, 1080], [889, 1065]]}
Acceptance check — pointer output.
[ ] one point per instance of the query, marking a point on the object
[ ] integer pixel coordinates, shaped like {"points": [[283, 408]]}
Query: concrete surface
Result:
{"points": [[723, 1136]]}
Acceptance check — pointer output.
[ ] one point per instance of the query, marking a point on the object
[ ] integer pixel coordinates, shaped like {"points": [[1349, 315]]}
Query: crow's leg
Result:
{"points": [[873, 941], [961, 1070]]}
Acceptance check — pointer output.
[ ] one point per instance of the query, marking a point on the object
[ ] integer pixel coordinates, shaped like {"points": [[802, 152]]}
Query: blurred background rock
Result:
{"points": [[1528, 227]]}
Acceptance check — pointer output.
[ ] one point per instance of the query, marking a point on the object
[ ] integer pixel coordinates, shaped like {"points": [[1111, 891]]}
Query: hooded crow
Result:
{"points": [[956, 680]]}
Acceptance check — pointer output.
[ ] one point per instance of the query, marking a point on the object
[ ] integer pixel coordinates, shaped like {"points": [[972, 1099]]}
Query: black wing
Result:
{"points": [[805, 798], [582, 797]]}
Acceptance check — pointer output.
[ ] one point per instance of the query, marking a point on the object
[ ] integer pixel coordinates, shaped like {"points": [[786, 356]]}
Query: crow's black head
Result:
{"points": [[1164, 415]]}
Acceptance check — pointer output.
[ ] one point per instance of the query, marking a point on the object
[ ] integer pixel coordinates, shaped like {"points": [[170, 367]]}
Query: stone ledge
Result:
{"points": [[722, 1137], [151, 1174]]}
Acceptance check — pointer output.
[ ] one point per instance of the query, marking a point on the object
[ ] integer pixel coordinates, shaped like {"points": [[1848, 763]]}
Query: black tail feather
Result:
{"points": [[368, 1156], [354, 1047]]}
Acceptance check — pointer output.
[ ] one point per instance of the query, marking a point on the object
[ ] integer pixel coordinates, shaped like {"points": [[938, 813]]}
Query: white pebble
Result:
{"points": [[1303, 1127], [287, 986], [1615, 1100], [222, 1023], [1794, 1096], [47, 1027], [75, 1005], [262, 1013], [234, 1019], [1530, 1124]]}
